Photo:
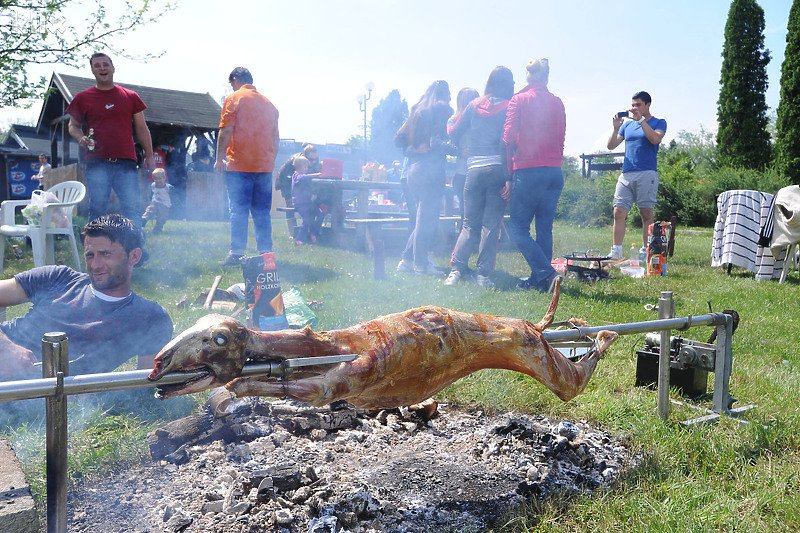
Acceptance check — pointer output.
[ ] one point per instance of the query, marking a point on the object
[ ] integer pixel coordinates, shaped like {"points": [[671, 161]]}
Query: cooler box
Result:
{"points": [[332, 168]]}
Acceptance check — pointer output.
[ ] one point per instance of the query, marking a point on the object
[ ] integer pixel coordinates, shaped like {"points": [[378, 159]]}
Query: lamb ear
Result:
{"points": [[240, 331]]}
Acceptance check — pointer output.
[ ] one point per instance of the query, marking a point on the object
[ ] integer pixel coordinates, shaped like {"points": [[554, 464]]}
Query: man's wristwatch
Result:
{"points": [[641, 120]]}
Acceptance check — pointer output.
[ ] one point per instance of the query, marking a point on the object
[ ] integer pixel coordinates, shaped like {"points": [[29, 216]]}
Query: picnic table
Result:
{"points": [[335, 188], [363, 210]]}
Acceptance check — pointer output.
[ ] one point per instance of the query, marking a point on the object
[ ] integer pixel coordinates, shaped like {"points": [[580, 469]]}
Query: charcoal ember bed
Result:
{"points": [[462, 471]]}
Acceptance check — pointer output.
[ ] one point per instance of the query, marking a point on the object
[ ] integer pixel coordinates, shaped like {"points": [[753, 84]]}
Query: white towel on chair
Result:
{"points": [[737, 228]]}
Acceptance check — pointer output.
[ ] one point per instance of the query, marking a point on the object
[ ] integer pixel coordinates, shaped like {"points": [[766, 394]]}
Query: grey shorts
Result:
{"points": [[640, 187]]}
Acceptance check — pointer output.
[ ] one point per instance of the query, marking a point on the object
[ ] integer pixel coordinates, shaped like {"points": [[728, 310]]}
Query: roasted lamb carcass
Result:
{"points": [[403, 358]]}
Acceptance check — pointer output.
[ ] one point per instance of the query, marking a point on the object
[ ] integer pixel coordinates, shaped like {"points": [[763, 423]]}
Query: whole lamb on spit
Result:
{"points": [[402, 359]]}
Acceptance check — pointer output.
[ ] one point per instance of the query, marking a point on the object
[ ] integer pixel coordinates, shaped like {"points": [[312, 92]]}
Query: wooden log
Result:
{"points": [[168, 438], [328, 421], [219, 404]]}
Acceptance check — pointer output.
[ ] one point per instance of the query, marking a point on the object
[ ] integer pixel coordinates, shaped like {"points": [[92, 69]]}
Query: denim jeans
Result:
{"points": [[483, 212], [425, 188], [122, 176], [535, 196], [250, 193]]}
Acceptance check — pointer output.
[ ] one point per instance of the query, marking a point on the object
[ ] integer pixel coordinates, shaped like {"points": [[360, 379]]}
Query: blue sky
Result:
{"points": [[313, 58]]}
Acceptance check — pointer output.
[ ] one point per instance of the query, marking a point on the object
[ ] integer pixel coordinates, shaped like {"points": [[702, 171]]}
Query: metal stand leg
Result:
{"points": [[666, 309], [55, 363], [722, 367]]}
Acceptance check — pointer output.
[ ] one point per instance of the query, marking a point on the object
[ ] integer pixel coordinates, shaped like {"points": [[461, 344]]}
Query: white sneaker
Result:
{"points": [[453, 278], [616, 252], [485, 282], [404, 267]]}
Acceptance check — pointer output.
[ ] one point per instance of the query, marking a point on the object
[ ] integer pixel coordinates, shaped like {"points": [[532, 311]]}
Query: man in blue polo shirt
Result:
{"points": [[639, 179]]}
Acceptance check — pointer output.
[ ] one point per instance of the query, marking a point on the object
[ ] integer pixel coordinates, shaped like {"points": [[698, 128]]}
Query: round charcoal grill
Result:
{"points": [[593, 271]]}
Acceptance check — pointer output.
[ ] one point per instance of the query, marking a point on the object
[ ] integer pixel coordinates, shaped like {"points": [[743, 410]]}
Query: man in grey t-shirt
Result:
{"points": [[106, 323]]}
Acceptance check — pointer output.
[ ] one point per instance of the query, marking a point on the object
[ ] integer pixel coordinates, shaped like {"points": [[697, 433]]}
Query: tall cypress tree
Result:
{"points": [[742, 138], [787, 144]]}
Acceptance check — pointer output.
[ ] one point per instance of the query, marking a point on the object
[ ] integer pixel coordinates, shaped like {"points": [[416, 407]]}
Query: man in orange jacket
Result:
{"points": [[246, 149]]}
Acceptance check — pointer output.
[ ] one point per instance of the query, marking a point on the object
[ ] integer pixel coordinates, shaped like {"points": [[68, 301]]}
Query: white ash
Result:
{"points": [[462, 471]]}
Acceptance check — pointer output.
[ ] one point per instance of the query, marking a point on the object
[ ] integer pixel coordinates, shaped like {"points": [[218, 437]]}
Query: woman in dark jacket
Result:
{"points": [[479, 130], [424, 138]]}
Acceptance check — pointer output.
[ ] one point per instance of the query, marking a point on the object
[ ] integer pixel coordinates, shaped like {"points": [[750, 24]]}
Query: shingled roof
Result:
{"points": [[26, 141], [166, 107]]}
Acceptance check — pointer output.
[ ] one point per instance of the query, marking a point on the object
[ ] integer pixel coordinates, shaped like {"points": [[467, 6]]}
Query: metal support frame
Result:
{"points": [[666, 309], [56, 384], [55, 363], [723, 365]]}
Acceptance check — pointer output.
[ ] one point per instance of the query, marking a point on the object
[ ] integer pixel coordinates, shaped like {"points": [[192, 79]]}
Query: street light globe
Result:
{"points": [[369, 87], [361, 99]]}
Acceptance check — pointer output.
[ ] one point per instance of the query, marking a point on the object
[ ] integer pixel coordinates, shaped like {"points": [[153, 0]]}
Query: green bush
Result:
{"points": [[689, 188], [691, 180], [587, 202]]}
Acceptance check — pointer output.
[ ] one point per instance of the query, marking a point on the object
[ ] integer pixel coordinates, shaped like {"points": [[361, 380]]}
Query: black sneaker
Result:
{"points": [[526, 284], [231, 260]]}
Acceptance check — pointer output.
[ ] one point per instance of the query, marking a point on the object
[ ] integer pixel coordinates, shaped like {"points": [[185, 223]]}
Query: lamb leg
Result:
{"points": [[316, 391]]}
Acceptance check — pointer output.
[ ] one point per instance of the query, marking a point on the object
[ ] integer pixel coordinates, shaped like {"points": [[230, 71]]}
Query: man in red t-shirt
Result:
{"points": [[246, 149], [103, 120], [534, 134]]}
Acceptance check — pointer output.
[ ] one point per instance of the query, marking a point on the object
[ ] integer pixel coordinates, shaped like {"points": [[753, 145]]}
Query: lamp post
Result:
{"points": [[362, 106]]}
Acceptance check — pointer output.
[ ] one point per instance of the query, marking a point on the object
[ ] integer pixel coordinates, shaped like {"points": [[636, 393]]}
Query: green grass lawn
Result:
{"points": [[721, 477]]}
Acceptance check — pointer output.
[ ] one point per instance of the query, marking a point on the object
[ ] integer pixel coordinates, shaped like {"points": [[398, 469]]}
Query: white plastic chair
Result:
{"points": [[69, 194]]}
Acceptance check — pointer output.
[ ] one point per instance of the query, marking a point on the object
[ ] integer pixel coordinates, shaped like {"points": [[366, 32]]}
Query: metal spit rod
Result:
{"points": [[629, 328], [88, 383]]}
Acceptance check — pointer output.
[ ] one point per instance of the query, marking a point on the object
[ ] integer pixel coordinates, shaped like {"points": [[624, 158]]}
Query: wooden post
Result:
{"points": [[54, 146], [375, 243]]}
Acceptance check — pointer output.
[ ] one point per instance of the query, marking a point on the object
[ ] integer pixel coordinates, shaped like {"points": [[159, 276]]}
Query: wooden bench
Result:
{"points": [[374, 231]]}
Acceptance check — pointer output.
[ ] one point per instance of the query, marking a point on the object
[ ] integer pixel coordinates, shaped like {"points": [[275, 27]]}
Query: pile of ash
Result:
{"points": [[281, 470]]}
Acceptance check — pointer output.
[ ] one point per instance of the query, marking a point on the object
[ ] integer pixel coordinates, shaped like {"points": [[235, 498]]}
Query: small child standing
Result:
{"points": [[304, 201], [160, 202]]}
